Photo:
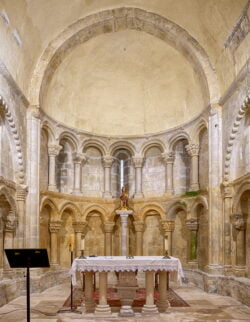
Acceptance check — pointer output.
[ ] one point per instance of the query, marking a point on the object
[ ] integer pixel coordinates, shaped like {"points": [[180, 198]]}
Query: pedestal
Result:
{"points": [[127, 286]]}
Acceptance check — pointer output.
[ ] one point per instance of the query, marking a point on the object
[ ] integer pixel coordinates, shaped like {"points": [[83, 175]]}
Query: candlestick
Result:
{"points": [[166, 243], [71, 242], [82, 244]]}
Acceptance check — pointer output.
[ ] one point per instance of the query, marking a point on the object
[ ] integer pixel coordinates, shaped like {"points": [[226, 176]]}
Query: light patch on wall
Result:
{"points": [[5, 17], [17, 38]]}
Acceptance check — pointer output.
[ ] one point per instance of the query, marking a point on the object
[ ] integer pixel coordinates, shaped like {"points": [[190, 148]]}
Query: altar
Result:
{"points": [[147, 264]]}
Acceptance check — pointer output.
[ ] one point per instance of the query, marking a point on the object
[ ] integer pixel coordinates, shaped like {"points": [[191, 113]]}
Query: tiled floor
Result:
{"points": [[203, 307]]}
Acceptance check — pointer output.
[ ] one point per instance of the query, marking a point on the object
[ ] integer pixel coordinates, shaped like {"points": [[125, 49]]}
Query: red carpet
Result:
{"points": [[114, 301]]}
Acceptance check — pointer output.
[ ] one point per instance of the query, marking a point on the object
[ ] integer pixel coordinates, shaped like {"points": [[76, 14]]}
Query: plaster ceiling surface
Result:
{"points": [[38, 22], [124, 83]]}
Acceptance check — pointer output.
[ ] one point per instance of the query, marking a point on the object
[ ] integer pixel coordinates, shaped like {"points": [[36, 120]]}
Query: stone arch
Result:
{"points": [[122, 145], [202, 124], [96, 144], [200, 200], [174, 206], [96, 208], [108, 21], [15, 136], [182, 135], [237, 196], [70, 137], [46, 201], [233, 134], [152, 143], [152, 207], [76, 213], [49, 131], [10, 199]]}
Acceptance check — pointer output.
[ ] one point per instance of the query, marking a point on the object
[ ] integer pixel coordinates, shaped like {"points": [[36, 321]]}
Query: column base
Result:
{"points": [[162, 305], [194, 187], [149, 309], [89, 306], [126, 310], [103, 310], [107, 195]]}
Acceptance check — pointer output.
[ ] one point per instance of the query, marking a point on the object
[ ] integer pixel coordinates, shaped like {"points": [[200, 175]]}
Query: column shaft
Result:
{"points": [[149, 307], [89, 292], [54, 251], [77, 177], [162, 303]]}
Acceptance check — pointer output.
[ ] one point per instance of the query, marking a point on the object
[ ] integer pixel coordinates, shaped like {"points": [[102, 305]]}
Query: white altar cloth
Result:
{"points": [[121, 264]]}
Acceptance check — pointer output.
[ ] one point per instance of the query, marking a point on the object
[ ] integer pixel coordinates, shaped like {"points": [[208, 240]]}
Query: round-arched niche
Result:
{"points": [[124, 83]]}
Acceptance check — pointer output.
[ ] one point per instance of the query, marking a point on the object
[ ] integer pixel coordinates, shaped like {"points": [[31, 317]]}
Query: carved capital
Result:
{"points": [[35, 111], [227, 191], [108, 227], [193, 149], [79, 157], [167, 225], [10, 222], [238, 221], [53, 150], [54, 226], [107, 161], [192, 224], [168, 157], [139, 226], [79, 226], [138, 162]]}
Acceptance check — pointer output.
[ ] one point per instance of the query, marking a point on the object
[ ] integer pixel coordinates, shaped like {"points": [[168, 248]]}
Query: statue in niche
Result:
{"points": [[124, 199]]}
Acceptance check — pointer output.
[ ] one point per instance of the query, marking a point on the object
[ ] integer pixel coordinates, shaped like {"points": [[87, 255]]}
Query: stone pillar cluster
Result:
{"points": [[54, 228], [79, 159], [192, 225], [138, 164], [79, 228], [168, 228]]}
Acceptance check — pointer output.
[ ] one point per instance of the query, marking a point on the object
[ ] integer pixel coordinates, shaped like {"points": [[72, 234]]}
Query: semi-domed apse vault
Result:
{"points": [[126, 81]]}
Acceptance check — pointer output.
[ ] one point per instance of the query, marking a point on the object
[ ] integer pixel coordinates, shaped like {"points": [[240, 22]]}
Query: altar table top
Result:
{"points": [[121, 264]]}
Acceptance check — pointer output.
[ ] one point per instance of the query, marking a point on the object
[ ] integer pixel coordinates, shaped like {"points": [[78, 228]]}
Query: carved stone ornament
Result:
{"points": [[238, 221], [53, 150], [79, 157], [79, 226], [138, 162], [10, 222], [228, 191], [108, 227], [108, 161], [21, 193], [168, 225], [193, 149], [192, 224], [54, 226], [168, 157]]}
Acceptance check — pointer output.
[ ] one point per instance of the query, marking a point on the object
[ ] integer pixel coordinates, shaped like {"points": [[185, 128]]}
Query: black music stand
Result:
{"points": [[27, 258]]}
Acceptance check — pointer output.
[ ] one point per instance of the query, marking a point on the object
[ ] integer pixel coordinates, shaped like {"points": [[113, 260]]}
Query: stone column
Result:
{"points": [[169, 161], [103, 309], [79, 159], [216, 222], [53, 151], [108, 229], [139, 228], [240, 228], [227, 194], [54, 228], [9, 231], [21, 193], [193, 151], [162, 303], [192, 225], [89, 292], [33, 177], [149, 307], [138, 164], [124, 230], [107, 163], [79, 228], [168, 228]]}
